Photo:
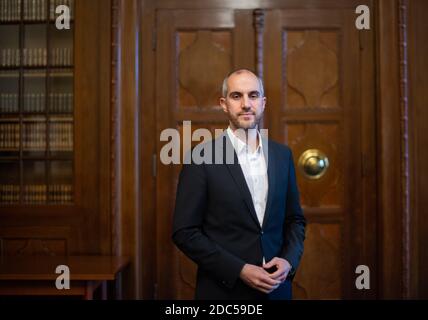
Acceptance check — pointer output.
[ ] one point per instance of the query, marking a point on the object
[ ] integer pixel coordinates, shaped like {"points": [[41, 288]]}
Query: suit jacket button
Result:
{"points": [[261, 232]]}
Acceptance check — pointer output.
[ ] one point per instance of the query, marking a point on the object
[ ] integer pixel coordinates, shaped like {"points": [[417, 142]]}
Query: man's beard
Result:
{"points": [[241, 124]]}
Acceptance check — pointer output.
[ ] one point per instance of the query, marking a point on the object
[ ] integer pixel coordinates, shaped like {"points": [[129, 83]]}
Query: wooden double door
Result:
{"points": [[318, 73]]}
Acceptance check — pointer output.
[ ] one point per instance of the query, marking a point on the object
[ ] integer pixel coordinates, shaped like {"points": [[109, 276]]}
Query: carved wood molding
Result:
{"points": [[404, 93], [259, 24], [114, 139]]}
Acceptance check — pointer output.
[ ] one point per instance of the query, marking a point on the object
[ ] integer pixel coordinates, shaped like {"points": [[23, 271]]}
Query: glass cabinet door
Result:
{"points": [[36, 103]]}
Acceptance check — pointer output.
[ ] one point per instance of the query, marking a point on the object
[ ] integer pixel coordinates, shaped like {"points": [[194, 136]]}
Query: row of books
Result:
{"points": [[36, 102], [36, 57], [34, 136], [34, 10], [56, 193]]}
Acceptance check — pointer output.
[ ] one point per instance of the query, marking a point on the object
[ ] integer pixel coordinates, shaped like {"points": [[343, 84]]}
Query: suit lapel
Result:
{"points": [[238, 176], [270, 160]]}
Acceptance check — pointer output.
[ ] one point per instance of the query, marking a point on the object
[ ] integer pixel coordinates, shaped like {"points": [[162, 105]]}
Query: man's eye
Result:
{"points": [[235, 96], [254, 96]]}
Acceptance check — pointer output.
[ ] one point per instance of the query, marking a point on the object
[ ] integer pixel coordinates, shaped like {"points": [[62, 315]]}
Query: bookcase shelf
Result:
{"points": [[36, 104], [32, 11]]}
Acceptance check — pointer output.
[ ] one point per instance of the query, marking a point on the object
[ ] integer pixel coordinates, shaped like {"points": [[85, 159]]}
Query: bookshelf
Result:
{"points": [[36, 104]]}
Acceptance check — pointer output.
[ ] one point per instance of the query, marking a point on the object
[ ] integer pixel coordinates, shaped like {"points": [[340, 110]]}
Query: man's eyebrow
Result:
{"points": [[240, 93]]}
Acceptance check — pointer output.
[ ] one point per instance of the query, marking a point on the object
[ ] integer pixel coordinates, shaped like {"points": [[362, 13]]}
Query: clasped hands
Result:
{"points": [[260, 279]]}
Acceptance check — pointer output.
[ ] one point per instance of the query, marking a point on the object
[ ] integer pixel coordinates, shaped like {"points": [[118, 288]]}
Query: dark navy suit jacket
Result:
{"points": [[215, 223]]}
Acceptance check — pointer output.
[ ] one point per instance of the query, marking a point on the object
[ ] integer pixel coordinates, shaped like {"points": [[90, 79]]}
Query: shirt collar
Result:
{"points": [[240, 145]]}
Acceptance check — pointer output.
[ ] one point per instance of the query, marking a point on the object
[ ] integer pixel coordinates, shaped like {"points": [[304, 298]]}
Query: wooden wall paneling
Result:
{"points": [[263, 4], [352, 154], [47, 240], [273, 58], [259, 29], [418, 140], [404, 134], [115, 130], [369, 154], [39, 222], [164, 78], [148, 151], [92, 42], [259, 25], [126, 135], [86, 122], [389, 151], [361, 130], [244, 54], [104, 94]]}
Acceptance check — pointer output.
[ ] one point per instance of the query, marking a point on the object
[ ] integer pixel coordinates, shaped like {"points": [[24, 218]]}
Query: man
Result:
{"points": [[241, 222]]}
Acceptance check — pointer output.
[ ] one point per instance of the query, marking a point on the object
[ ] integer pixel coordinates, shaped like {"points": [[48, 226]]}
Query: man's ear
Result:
{"points": [[223, 104], [264, 103]]}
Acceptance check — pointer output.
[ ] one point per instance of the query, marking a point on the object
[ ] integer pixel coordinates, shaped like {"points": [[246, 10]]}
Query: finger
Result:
{"points": [[266, 287], [283, 277], [261, 286], [262, 283], [271, 263], [278, 273], [267, 282], [273, 289], [263, 290]]}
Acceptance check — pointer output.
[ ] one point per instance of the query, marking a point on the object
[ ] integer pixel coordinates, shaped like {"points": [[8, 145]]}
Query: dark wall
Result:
{"points": [[418, 112]]}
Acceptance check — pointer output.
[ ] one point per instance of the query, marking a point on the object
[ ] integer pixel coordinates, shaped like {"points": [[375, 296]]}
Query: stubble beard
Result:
{"points": [[245, 125]]}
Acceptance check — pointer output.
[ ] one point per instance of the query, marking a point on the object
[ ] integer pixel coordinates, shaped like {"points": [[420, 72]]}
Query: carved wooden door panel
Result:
{"points": [[195, 50], [319, 79]]}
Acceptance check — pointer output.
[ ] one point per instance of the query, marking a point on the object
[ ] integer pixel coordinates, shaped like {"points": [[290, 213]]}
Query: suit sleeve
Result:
{"points": [[190, 207], [295, 222]]}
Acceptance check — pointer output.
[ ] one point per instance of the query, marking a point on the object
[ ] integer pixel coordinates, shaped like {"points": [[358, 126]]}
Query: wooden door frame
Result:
{"points": [[392, 149], [391, 169], [127, 144]]}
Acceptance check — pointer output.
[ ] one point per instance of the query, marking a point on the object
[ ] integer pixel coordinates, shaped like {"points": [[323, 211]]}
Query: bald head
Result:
{"points": [[243, 99], [225, 86]]}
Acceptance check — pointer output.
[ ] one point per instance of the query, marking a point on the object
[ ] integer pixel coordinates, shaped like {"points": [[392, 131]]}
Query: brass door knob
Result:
{"points": [[313, 163]]}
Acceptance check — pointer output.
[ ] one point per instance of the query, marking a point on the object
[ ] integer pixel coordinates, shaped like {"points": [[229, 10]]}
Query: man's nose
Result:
{"points": [[246, 102]]}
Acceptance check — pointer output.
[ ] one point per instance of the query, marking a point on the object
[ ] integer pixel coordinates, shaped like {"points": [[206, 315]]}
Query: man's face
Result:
{"points": [[244, 103]]}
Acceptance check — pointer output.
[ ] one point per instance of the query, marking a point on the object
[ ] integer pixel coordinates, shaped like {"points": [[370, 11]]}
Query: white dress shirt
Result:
{"points": [[254, 167]]}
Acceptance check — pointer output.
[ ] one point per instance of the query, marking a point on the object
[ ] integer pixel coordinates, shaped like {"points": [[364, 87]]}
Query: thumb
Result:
{"points": [[269, 264]]}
